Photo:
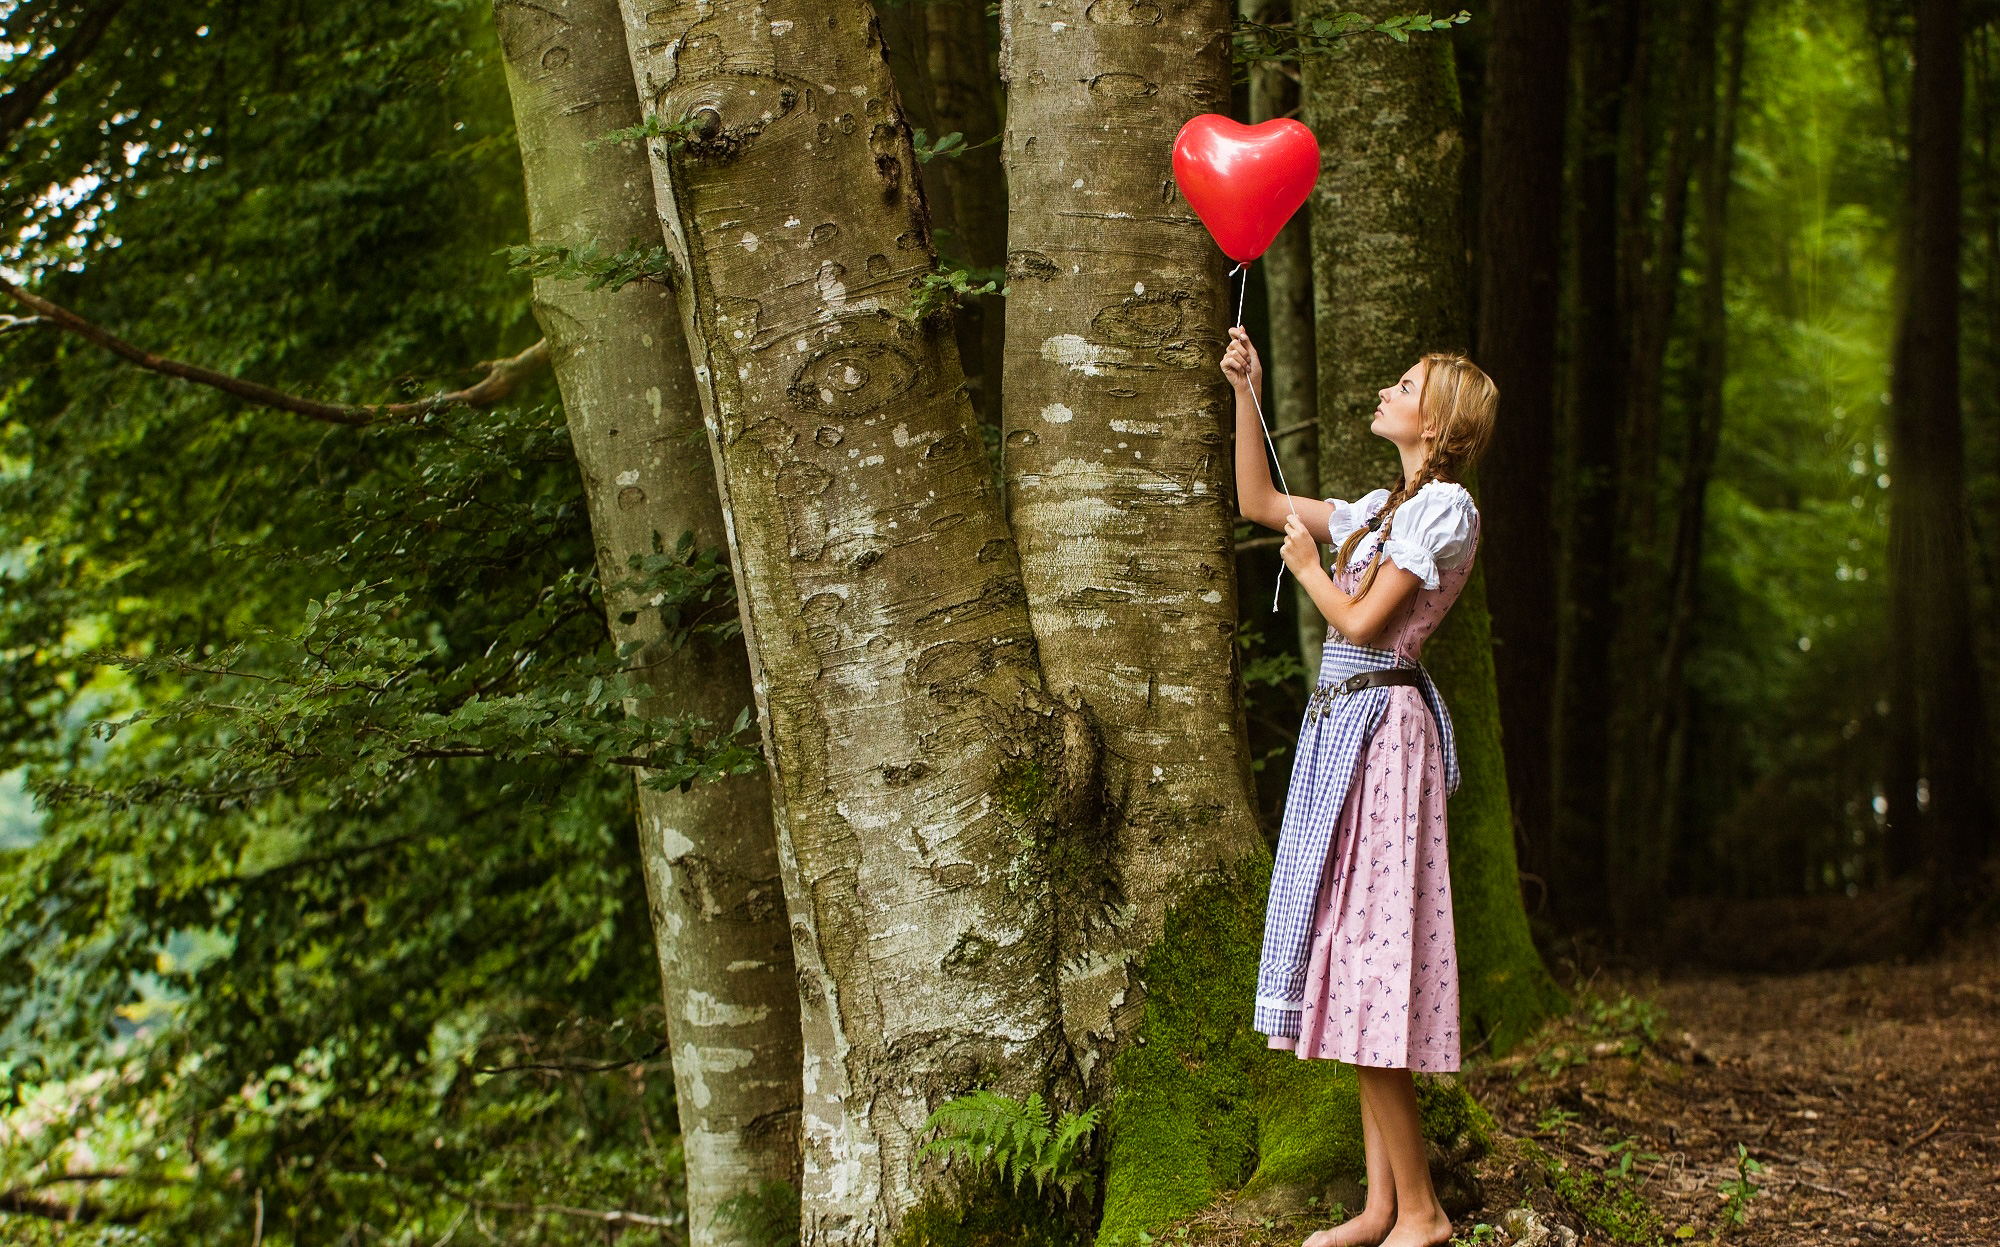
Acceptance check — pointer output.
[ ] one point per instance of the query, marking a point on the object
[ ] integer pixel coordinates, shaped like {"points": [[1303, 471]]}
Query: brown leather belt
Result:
{"points": [[1320, 704], [1371, 679]]}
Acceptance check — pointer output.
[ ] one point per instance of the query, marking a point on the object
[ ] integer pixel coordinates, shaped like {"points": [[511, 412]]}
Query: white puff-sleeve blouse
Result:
{"points": [[1431, 532]]}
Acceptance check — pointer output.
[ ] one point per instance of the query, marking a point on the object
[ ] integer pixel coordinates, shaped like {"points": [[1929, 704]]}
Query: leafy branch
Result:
{"points": [[1288, 41], [592, 264], [935, 294], [349, 705], [952, 145], [676, 133]]}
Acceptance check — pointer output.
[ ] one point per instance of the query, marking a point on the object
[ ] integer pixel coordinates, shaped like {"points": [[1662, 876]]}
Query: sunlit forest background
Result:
{"points": [[252, 983]]}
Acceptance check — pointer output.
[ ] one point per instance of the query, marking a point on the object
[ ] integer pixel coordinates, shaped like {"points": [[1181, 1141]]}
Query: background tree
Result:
{"points": [[1940, 786], [917, 759], [709, 854], [1389, 279], [1520, 266], [1288, 344]]}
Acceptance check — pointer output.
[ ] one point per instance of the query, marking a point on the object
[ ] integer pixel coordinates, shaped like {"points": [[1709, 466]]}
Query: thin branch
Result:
{"points": [[576, 1067], [22, 1204], [611, 1220], [18, 106], [1290, 429], [502, 378]]}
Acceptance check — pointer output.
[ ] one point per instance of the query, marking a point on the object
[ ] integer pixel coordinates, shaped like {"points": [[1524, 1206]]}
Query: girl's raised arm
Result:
{"points": [[1256, 497]]}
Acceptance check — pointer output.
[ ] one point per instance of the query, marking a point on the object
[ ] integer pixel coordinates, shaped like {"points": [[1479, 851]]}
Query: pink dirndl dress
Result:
{"points": [[1382, 975]]}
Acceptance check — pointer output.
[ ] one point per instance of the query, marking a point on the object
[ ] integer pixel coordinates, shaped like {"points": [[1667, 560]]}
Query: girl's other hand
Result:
{"points": [[1240, 363], [1300, 551]]}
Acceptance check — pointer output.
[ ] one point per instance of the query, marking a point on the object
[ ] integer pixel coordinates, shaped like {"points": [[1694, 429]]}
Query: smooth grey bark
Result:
{"points": [[1118, 465], [1291, 370], [917, 761], [710, 855]]}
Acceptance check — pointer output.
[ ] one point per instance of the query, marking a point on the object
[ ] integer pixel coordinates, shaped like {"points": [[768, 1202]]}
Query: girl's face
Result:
{"points": [[1399, 417]]}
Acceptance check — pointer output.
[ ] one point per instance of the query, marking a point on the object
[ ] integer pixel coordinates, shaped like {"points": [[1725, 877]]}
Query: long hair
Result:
{"points": [[1457, 402]]}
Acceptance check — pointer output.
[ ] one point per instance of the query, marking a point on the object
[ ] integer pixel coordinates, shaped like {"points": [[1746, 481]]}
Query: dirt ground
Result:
{"points": [[1870, 1095], [1866, 1102]]}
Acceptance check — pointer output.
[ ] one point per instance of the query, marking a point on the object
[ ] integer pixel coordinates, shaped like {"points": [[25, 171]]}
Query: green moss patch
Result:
{"points": [[982, 1212], [1202, 1108]]}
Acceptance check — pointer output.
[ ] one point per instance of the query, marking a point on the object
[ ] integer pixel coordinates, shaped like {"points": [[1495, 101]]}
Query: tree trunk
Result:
{"points": [[1598, 341], [1927, 518], [916, 761], [1520, 260], [1117, 455], [710, 856], [1389, 280], [1637, 855], [1291, 373], [1704, 424]]}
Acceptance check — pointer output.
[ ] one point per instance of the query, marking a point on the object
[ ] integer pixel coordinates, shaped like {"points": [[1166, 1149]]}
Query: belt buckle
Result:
{"points": [[1354, 683]]}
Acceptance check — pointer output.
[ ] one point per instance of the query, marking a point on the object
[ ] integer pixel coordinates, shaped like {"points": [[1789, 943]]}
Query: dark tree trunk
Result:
{"points": [[1927, 549], [1520, 255], [1607, 47], [1636, 855], [1703, 433]]}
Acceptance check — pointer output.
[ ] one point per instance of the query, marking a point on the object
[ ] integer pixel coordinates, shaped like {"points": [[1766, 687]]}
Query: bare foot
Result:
{"points": [[1366, 1229], [1431, 1229]]}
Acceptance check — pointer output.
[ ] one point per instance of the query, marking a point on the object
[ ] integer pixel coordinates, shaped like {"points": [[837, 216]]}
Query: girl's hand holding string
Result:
{"points": [[1240, 363], [1300, 551]]}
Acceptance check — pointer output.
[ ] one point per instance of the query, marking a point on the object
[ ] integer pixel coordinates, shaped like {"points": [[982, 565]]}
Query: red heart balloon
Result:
{"points": [[1244, 182]]}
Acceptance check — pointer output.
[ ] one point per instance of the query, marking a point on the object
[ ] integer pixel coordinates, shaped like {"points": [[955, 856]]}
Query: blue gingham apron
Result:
{"points": [[1336, 730]]}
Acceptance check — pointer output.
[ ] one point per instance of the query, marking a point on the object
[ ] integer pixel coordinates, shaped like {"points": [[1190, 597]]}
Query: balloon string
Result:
{"points": [[1243, 267]]}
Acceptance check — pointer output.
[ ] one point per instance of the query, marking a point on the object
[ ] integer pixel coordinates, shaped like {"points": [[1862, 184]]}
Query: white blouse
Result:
{"points": [[1431, 532]]}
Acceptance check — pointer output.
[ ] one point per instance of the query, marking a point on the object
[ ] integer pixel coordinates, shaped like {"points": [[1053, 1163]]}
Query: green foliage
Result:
{"points": [[591, 265], [340, 914], [1623, 1154], [765, 1217], [1017, 1139], [984, 1212], [671, 133], [1557, 1121], [1789, 686], [952, 145], [936, 294], [347, 708], [1629, 1022], [1737, 1192], [1288, 41], [1610, 1205]]}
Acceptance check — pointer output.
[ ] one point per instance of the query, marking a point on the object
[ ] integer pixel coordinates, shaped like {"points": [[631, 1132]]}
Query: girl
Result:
{"points": [[1358, 963]]}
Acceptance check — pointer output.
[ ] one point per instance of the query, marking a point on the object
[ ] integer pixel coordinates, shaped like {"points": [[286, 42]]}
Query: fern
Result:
{"points": [[765, 1217], [1016, 1138]]}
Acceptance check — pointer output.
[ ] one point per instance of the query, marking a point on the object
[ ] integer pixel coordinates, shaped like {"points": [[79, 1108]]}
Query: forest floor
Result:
{"points": [[1865, 1102]]}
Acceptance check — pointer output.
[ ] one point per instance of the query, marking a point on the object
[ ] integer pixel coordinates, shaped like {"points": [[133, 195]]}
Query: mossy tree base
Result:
{"points": [[1203, 1108]]}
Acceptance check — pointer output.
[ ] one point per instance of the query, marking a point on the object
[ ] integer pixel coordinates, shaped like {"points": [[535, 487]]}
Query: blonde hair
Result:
{"points": [[1458, 403]]}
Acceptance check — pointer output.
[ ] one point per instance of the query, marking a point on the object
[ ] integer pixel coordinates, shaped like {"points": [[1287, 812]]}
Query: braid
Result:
{"points": [[1385, 521], [1458, 410]]}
